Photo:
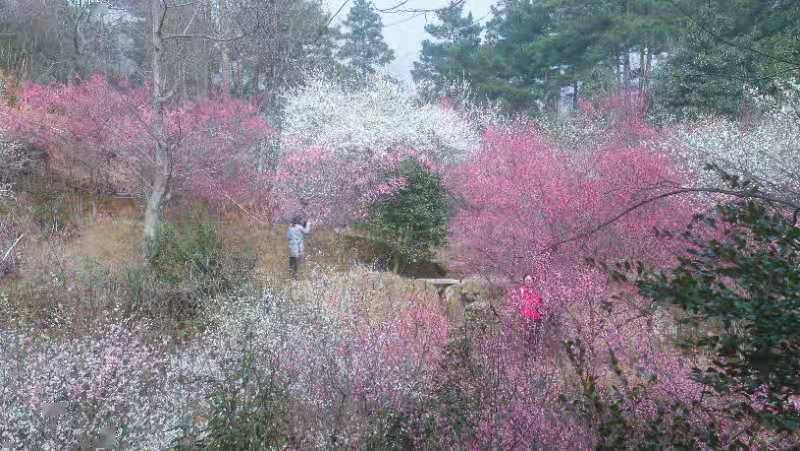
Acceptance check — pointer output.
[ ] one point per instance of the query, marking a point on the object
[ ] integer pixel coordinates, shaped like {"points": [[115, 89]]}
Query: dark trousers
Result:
{"points": [[294, 264]]}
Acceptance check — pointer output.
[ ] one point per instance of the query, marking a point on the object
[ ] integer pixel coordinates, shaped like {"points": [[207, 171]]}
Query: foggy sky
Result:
{"points": [[405, 32]]}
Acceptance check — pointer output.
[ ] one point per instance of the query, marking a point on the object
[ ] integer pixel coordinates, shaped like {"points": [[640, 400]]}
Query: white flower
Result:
{"points": [[766, 151], [375, 118]]}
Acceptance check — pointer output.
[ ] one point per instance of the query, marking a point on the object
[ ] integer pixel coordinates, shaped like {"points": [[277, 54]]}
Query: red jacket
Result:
{"points": [[529, 302]]}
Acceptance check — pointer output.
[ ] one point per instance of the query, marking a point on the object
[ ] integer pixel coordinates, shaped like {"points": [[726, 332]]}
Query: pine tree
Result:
{"points": [[452, 53], [726, 49], [364, 48]]}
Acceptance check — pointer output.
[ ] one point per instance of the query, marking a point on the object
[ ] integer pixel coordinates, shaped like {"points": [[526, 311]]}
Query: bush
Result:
{"points": [[193, 250], [15, 159], [50, 216], [194, 255], [632, 414], [251, 413], [413, 221], [741, 274]]}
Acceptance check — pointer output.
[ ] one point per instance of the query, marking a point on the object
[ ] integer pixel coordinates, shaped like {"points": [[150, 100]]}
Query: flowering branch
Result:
{"points": [[734, 193]]}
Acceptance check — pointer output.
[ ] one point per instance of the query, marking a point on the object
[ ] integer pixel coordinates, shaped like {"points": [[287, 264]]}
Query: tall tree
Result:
{"points": [[171, 27], [364, 48], [534, 48], [451, 54], [515, 73], [57, 40], [728, 48]]}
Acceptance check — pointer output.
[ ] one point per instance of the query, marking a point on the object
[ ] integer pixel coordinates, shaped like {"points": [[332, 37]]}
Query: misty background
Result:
{"points": [[405, 31]]}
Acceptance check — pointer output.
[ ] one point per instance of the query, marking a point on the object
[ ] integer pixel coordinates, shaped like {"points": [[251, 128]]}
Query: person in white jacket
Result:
{"points": [[296, 236]]}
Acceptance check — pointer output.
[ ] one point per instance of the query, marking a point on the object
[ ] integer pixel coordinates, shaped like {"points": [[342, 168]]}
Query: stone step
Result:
{"points": [[442, 282]]}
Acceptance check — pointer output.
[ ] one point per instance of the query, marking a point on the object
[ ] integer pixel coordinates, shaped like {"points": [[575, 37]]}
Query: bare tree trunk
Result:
{"points": [[223, 48], [184, 81], [159, 191], [226, 69], [77, 44], [155, 207], [647, 69], [204, 75], [626, 69], [575, 95]]}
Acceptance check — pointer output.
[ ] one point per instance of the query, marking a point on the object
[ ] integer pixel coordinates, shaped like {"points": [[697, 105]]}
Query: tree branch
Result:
{"points": [[191, 20], [398, 8], [8, 252], [740, 194], [205, 37], [338, 11]]}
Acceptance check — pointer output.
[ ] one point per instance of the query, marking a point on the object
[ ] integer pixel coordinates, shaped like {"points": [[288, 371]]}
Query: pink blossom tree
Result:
{"points": [[529, 206], [150, 139], [526, 203], [98, 129]]}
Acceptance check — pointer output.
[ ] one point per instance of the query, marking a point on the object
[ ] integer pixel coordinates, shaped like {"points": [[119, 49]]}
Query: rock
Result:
{"points": [[465, 301], [472, 291], [478, 307], [424, 290], [453, 292], [454, 307]]}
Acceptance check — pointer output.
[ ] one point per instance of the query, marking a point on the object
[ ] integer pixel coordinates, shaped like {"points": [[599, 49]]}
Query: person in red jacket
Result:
{"points": [[528, 299]]}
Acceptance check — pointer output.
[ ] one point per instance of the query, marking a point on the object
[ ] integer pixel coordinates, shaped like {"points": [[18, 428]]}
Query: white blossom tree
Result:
{"points": [[340, 144], [764, 150], [374, 119]]}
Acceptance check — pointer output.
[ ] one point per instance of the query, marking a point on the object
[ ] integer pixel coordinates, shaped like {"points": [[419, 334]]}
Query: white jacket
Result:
{"points": [[296, 236]]}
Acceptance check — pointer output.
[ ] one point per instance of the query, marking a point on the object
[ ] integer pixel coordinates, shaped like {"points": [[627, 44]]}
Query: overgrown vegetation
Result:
{"points": [[147, 169], [740, 285], [413, 221]]}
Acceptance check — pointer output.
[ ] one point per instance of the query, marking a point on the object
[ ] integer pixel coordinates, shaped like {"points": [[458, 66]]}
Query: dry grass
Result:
{"points": [[103, 236], [325, 248], [113, 243], [381, 294]]}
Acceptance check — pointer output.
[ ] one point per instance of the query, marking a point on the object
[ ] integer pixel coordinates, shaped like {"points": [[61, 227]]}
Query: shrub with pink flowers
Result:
{"points": [[100, 132], [527, 205]]}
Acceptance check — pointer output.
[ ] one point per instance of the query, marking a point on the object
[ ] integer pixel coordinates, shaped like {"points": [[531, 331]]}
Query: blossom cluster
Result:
{"points": [[373, 120], [117, 388], [336, 190], [340, 144], [107, 132], [765, 151], [109, 390], [339, 364], [529, 204]]}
